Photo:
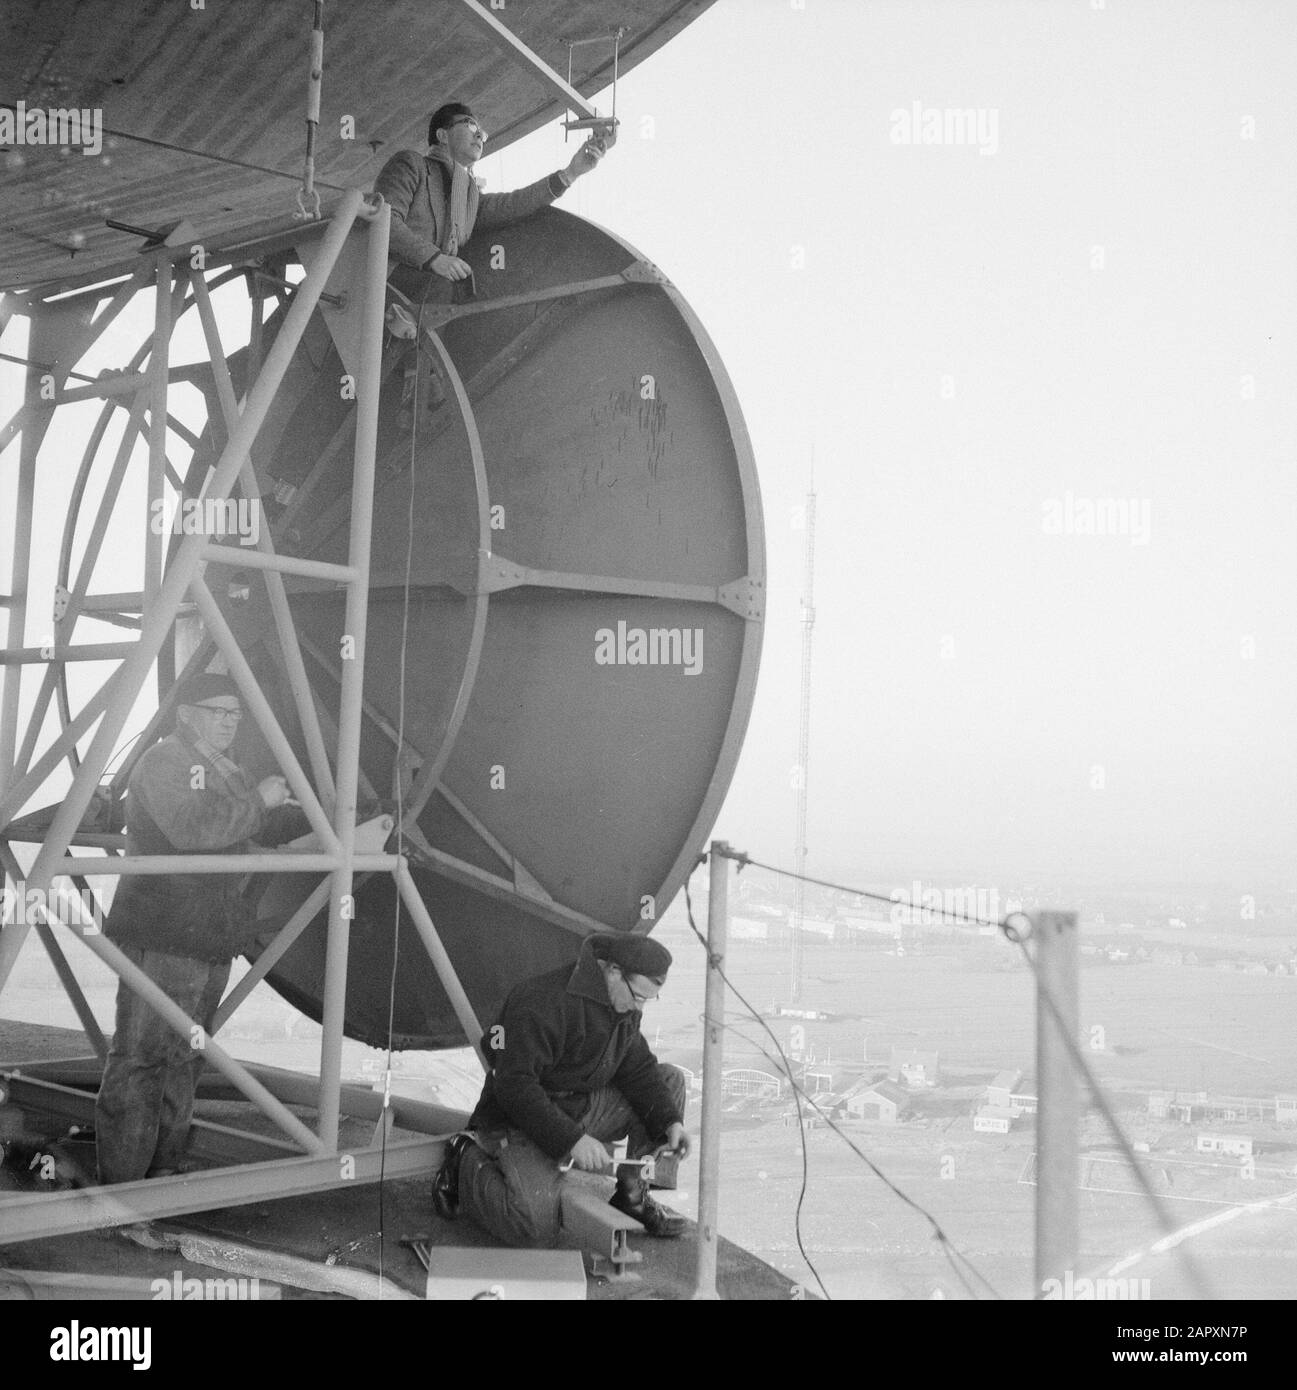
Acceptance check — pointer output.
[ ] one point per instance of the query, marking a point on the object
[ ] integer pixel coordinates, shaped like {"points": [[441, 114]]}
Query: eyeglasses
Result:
{"points": [[231, 716], [477, 127], [636, 995]]}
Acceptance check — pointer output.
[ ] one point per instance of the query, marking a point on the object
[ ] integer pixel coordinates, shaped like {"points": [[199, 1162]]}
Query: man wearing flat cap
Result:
{"points": [[569, 1074], [185, 796]]}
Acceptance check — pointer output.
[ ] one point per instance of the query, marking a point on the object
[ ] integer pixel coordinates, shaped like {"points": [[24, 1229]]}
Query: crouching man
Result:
{"points": [[570, 1073]]}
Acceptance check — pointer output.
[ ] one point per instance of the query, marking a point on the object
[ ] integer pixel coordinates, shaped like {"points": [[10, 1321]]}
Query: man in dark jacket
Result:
{"points": [[185, 795], [570, 1073]]}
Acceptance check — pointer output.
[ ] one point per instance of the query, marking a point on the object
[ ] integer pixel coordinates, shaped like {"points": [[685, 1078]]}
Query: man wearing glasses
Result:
{"points": [[185, 795], [569, 1074], [436, 204]]}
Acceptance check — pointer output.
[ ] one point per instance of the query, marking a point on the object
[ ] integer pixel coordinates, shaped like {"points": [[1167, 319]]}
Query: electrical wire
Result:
{"points": [[119, 750], [399, 779], [948, 1247], [1046, 996], [801, 1128], [744, 862], [215, 158]]}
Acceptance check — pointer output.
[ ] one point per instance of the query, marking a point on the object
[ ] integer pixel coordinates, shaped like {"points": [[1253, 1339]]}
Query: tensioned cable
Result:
{"points": [[948, 1247], [1077, 1057], [744, 862], [400, 781], [201, 154]]}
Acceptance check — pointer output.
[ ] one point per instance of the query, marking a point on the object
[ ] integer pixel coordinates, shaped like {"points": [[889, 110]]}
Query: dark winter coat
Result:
{"points": [[198, 915], [557, 1039]]}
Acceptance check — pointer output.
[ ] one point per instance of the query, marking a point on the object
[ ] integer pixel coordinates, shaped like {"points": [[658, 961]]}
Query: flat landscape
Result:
{"points": [[1161, 1028], [1155, 1028]]}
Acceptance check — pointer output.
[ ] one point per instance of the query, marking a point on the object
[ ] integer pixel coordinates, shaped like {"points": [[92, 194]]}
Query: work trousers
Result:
{"points": [[510, 1186], [146, 1099]]}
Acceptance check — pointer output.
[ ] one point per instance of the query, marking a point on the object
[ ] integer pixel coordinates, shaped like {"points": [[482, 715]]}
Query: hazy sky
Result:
{"points": [[1102, 304], [1090, 299]]}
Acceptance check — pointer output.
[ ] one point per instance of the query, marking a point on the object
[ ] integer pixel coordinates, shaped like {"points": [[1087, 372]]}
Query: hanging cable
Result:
{"points": [[399, 782], [947, 1246], [801, 1128], [1008, 924], [308, 200]]}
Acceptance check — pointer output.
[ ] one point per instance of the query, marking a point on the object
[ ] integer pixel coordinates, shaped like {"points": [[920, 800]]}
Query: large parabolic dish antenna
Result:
{"points": [[572, 662]]}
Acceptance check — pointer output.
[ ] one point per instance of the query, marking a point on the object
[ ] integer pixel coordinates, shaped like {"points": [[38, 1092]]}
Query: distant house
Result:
{"points": [[884, 1101], [748, 1081], [1001, 1088], [1285, 1109], [1184, 1104], [1159, 1104], [913, 1068], [1230, 1145], [994, 1119], [1231, 1108], [1022, 1103]]}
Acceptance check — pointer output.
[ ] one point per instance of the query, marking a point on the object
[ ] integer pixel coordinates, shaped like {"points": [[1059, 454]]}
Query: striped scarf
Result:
{"points": [[231, 773], [456, 229]]}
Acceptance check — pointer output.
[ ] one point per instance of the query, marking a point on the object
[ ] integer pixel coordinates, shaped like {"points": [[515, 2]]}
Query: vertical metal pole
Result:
{"points": [[1054, 945], [353, 671], [709, 1143], [13, 937], [16, 624], [159, 363]]}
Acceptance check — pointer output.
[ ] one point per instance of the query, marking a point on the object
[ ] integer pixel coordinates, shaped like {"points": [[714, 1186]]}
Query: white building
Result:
{"points": [[1229, 1145]]}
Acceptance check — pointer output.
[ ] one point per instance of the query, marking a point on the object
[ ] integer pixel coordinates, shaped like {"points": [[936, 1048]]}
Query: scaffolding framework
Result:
{"points": [[327, 787]]}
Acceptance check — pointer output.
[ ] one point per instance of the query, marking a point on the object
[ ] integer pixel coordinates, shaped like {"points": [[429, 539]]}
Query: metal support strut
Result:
{"points": [[329, 795], [709, 1145]]}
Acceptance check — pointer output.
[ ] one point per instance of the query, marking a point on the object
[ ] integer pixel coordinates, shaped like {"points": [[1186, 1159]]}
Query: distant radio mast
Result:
{"points": [[803, 746]]}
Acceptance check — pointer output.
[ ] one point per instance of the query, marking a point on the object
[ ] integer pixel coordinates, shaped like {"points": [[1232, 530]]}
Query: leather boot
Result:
{"points": [[632, 1199], [445, 1186]]}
